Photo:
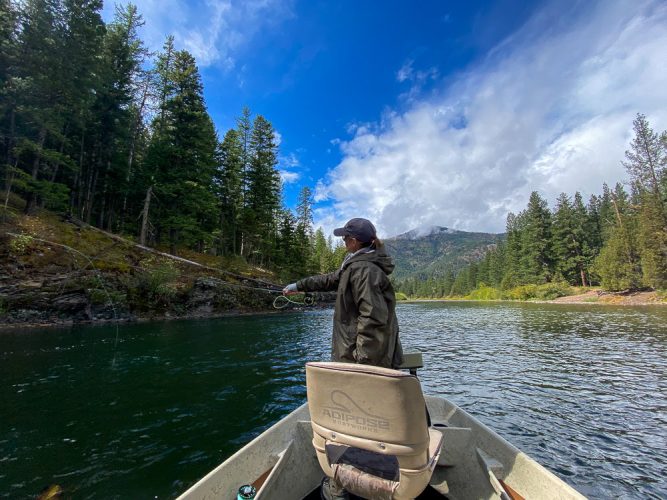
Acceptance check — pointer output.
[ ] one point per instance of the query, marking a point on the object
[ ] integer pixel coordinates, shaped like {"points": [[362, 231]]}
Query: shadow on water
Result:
{"points": [[581, 389]]}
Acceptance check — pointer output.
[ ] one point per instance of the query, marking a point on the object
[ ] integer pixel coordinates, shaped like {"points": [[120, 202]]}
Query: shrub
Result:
{"points": [[157, 277], [550, 291], [484, 292], [547, 291], [20, 244], [524, 292], [401, 296]]}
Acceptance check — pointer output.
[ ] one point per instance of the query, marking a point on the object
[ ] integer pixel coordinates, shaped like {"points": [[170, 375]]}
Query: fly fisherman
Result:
{"points": [[365, 329]]}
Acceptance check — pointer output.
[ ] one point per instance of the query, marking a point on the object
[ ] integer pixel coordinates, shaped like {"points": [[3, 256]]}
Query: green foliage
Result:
{"points": [[156, 280], [616, 264], [547, 291], [484, 292], [550, 291], [401, 296], [21, 244]]}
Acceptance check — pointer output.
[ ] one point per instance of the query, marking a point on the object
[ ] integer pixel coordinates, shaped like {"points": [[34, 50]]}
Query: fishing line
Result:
{"points": [[282, 301]]}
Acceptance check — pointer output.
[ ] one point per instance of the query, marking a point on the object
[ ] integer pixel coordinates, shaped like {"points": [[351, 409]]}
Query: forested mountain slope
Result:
{"points": [[436, 250]]}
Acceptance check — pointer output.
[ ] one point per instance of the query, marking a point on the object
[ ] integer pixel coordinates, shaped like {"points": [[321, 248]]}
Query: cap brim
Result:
{"points": [[340, 231]]}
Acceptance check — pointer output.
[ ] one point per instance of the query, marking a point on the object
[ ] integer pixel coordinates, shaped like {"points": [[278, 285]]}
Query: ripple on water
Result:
{"points": [[582, 390], [590, 381]]}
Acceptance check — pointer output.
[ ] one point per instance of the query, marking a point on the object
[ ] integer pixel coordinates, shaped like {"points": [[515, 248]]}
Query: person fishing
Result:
{"points": [[365, 328]]}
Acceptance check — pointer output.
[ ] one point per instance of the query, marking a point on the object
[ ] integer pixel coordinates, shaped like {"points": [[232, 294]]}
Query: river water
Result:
{"points": [[144, 410]]}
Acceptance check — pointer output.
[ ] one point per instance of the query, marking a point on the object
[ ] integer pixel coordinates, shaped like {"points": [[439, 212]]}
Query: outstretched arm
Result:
{"points": [[321, 283]]}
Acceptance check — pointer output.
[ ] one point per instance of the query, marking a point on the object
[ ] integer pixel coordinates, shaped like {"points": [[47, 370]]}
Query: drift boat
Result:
{"points": [[374, 432]]}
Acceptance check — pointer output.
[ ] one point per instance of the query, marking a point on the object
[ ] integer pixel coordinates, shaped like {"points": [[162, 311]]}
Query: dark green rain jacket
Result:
{"points": [[365, 328]]}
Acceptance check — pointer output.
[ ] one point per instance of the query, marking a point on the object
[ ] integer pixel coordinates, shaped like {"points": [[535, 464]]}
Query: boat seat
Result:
{"points": [[370, 430]]}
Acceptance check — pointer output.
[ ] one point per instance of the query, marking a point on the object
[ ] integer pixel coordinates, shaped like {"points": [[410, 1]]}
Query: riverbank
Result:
{"points": [[614, 298], [57, 271], [596, 296]]}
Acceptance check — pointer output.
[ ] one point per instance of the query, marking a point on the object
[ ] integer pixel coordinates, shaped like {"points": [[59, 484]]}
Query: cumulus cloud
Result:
{"points": [[549, 109], [212, 30]]}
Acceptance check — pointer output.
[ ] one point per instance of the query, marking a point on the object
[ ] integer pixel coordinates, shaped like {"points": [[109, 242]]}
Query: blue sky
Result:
{"points": [[430, 113]]}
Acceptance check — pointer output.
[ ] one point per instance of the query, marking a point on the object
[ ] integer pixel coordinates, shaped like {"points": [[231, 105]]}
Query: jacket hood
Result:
{"points": [[378, 256]]}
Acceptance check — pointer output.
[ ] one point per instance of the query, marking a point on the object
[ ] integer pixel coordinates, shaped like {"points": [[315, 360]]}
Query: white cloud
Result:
{"points": [[290, 161], [405, 72], [286, 166], [277, 137], [212, 30], [549, 109], [289, 177]]}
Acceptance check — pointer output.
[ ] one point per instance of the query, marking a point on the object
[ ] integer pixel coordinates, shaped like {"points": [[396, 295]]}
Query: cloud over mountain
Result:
{"points": [[549, 109]]}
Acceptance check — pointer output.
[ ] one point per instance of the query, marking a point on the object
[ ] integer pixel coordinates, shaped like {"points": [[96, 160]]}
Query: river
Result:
{"points": [[144, 410]]}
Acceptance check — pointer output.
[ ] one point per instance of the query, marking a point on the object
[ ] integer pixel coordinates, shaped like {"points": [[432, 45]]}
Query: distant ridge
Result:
{"points": [[431, 250], [421, 232]]}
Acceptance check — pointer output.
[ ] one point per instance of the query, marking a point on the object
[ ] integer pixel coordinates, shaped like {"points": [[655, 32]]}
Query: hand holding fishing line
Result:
{"points": [[282, 301]]}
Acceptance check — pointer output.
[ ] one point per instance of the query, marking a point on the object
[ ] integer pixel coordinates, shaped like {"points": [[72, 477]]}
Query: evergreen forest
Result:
{"points": [[617, 240], [95, 126]]}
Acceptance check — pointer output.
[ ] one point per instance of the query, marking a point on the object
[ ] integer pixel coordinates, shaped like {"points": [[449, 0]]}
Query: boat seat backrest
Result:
{"points": [[370, 429]]}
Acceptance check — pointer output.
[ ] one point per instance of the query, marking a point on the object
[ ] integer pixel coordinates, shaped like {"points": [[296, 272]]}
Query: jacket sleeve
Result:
{"points": [[320, 283], [367, 284]]}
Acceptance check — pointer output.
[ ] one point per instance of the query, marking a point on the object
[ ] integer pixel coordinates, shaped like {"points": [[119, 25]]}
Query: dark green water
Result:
{"points": [[145, 410]]}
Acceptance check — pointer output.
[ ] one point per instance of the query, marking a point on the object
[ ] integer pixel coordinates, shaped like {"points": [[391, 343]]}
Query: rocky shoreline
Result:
{"points": [[46, 303], [51, 301]]}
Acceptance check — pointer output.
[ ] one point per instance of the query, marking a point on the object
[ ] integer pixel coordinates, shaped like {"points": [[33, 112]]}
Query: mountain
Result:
{"points": [[430, 251]]}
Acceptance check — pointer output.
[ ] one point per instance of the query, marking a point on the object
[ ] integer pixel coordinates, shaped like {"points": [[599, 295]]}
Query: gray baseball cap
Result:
{"points": [[360, 229]]}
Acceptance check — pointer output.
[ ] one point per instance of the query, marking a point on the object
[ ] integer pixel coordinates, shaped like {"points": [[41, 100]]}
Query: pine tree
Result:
{"points": [[321, 252], [107, 129], [536, 259], [156, 154], [461, 287], [618, 262], [229, 191], [8, 54], [448, 282], [244, 130], [264, 192], [587, 245], [40, 57], [646, 162], [287, 256], [512, 262], [304, 230], [182, 155], [568, 241]]}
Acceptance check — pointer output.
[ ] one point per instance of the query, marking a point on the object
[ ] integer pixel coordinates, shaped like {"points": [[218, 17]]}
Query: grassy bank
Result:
{"points": [[59, 270], [557, 293]]}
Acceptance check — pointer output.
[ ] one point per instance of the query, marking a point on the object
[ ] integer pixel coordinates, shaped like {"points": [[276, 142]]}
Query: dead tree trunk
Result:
{"points": [[144, 216]]}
